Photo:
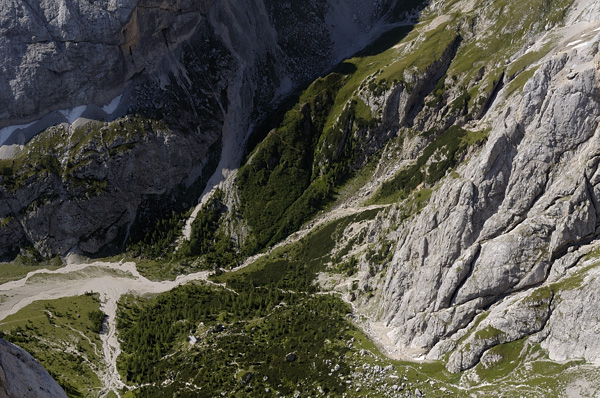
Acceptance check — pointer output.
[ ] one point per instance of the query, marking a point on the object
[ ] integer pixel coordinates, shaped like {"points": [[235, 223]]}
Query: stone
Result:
{"points": [[22, 376], [523, 209], [291, 357]]}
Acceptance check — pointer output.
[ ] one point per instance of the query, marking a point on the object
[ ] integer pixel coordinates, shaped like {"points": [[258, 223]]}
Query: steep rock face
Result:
{"points": [[78, 53], [505, 221], [207, 69], [92, 197], [572, 330], [22, 376], [70, 48]]}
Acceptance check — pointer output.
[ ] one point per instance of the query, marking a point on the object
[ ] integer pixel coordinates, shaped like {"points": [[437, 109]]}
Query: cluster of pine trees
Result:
{"points": [[247, 341]]}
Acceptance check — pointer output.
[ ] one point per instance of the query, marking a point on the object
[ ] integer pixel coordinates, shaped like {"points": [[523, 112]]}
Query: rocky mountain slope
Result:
{"points": [[443, 180], [493, 161], [204, 70], [504, 247]]}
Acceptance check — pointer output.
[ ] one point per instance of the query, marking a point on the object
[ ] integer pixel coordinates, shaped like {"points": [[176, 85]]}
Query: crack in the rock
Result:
{"points": [[428, 85], [490, 100], [15, 216], [468, 275]]}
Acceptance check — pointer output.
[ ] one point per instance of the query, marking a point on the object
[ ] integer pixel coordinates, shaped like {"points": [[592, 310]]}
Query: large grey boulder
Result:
{"points": [[21, 376]]}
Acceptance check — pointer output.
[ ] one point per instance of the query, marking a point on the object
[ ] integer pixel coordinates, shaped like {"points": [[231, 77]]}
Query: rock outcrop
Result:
{"points": [[22, 376], [78, 52], [93, 196]]}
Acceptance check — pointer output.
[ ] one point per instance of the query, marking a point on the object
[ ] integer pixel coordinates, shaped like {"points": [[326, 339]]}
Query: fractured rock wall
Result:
{"points": [[506, 224], [22, 376]]}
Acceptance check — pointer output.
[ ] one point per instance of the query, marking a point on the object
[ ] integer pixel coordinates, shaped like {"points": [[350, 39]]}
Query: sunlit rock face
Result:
{"points": [[504, 248]]}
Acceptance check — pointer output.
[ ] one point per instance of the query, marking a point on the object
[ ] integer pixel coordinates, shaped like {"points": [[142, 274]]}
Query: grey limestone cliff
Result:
{"points": [[504, 247], [79, 52]]}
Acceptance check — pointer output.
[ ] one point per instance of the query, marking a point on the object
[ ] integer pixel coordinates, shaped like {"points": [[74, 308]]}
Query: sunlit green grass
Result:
{"points": [[62, 334]]}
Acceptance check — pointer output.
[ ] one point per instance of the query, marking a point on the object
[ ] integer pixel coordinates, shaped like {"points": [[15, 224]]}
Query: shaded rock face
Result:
{"points": [[207, 69], [57, 47], [517, 218], [79, 52], [22, 376], [61, 210]]}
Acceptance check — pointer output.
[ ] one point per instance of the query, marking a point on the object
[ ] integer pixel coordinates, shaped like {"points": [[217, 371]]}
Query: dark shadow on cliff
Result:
{"points": [[386, 41], [275, 118]]}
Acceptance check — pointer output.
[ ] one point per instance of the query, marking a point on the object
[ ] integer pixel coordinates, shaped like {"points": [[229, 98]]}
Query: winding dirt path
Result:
{"points": [[335, 214], [83, 336]]}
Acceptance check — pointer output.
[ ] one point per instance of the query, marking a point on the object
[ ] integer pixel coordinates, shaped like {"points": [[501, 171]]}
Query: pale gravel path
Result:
{"points": [[113, 280]]}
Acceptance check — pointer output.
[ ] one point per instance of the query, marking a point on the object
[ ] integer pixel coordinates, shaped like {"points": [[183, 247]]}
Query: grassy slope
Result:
{"points": [[299, 166], [63, 153], [440, 156], [22, 265], [295, 170], [63, 335], [272, 309]]}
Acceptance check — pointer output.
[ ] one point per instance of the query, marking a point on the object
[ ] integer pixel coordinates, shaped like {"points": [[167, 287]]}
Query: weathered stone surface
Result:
{"points": [[572, 331], [22, 376], [58, 55], [511, 320], [515, 214]]}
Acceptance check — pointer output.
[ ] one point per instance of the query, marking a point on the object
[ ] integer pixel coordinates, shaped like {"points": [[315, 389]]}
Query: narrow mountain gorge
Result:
{"points": [[398, 191]]}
